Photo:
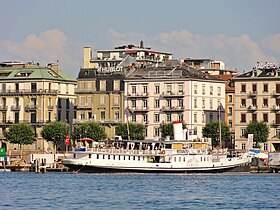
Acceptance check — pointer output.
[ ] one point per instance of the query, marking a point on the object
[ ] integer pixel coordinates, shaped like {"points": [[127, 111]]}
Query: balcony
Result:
{"points": [[83, 106], [50, 107], [15, 108], [172, 94], [275, 93], [172, 109], [140, 109], [31, 107], [3, 108], [138, 95], [252, 93], [242, 105], [15, 92], [275, 123], [275, 107], [252, 108]]}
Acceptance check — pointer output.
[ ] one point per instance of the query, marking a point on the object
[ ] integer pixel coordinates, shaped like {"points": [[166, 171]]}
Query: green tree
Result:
{"points": [[91, 130], [56, 132], [21, 134], [167, 130], [260, 131], [212, 130], [136, 131]]}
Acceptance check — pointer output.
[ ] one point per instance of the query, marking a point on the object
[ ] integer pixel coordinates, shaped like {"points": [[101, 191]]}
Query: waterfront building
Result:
{"points": [[141, 55], [36, 95], [257, 98], [100, 97], [165, 94]]}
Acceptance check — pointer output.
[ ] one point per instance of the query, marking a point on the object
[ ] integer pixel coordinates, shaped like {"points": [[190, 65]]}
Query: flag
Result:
{"points": [[128, 112]]}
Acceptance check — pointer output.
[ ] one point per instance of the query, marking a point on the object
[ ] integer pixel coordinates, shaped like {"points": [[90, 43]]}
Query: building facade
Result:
{"points": [[257, 98], [35, 95], [163, 95]]}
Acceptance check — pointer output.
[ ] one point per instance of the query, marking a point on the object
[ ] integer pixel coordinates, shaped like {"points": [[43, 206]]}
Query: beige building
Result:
{"points": [[35, 95], [257, 95]]}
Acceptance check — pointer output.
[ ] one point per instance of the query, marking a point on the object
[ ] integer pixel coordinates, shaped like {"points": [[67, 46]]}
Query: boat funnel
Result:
{"points": [[178, 131]]}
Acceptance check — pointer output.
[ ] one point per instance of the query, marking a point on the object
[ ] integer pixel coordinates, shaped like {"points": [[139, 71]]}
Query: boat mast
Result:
{"points": [[220, 126]]}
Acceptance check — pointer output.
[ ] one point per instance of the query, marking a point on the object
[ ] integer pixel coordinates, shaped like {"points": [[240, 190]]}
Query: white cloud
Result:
{"points": [[273, 43], [48, 47], [239, 51]]}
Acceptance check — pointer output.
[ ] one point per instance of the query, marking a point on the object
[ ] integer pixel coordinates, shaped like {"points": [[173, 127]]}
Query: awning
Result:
{"points": [[130, 51], [86, 139]]}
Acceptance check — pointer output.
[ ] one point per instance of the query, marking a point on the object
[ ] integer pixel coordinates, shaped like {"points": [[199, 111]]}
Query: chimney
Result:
{"points": [[142, 44], [54, 67], [87, 57]]}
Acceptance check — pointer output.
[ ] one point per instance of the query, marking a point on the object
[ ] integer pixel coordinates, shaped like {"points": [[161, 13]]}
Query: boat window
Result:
{"points": [[74, 155], [184, 159], [128, 157], [201, 159], [114, 157], [89, 156], [179, 159], [119, 157], [109, 157], [97, 156], [174, 159], [133, 157], [138, 158], [204, 158], [143, 158], [103, 156]]}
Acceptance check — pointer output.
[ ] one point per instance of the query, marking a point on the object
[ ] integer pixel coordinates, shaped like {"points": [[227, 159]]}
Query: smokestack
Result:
{"points": [[141, 44]]}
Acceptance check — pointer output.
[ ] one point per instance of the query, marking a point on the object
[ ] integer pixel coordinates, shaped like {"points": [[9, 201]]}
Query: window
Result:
{"points": [[156, 131], [145, 103], [265, 117], [219, 91], [265, 102], [195, 117], [145, 118], [254, 102], [243, 130], [265, 88], [169, 102], [277, 132], [195, 102], [254, 117], [243, 146], [180, 89], [203, 89], [211, 117], [277, 88], [203, 103], [243, 88], [33, 87], [278, 101], [211, 103], [265, 146], [157, 104], [180, 102], [117, 115], [16, 117], [168, 118], [180, 117], [168, 88], [195, 89], [33, 117], [277, 119], [67, 103], [230, 111], [243, 118], [145, 89], [157, 89], [133, 118], [254, 87], [230, 98], [102, 115], [133, 103], [156, 117], [90, 100], [133, 89], [230, 123], [211, 90], [243, 102]]}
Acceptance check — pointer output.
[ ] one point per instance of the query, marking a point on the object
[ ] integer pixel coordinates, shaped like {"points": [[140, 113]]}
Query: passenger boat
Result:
{"points": [[166, 156]]}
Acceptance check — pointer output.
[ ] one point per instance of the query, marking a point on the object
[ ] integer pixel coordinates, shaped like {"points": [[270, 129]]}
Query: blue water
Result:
{"points": [[139, 191]]}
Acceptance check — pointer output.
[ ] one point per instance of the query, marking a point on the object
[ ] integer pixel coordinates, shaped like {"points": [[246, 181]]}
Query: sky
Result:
{"points": [[239, 32]]}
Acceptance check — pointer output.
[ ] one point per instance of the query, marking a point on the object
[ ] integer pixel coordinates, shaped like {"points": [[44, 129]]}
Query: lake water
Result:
{"points": [[20, 190]]}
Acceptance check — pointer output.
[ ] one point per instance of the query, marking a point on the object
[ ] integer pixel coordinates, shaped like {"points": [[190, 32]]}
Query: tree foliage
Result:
{"points": [[212, 130], [20, 134], [136, 131], [260, 131], [167, 130], [91, 130], [56, 132]]}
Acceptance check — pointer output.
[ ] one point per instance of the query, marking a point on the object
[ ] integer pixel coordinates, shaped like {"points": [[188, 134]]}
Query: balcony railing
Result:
{"points": [[275, 107], [3, 108], [50, 107], [275, 93], [137, 95], [140, 109], [172, 109], [15, 108], [172, 94], [252, 93], [29, 91], [31, 107], [252, 108]]}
